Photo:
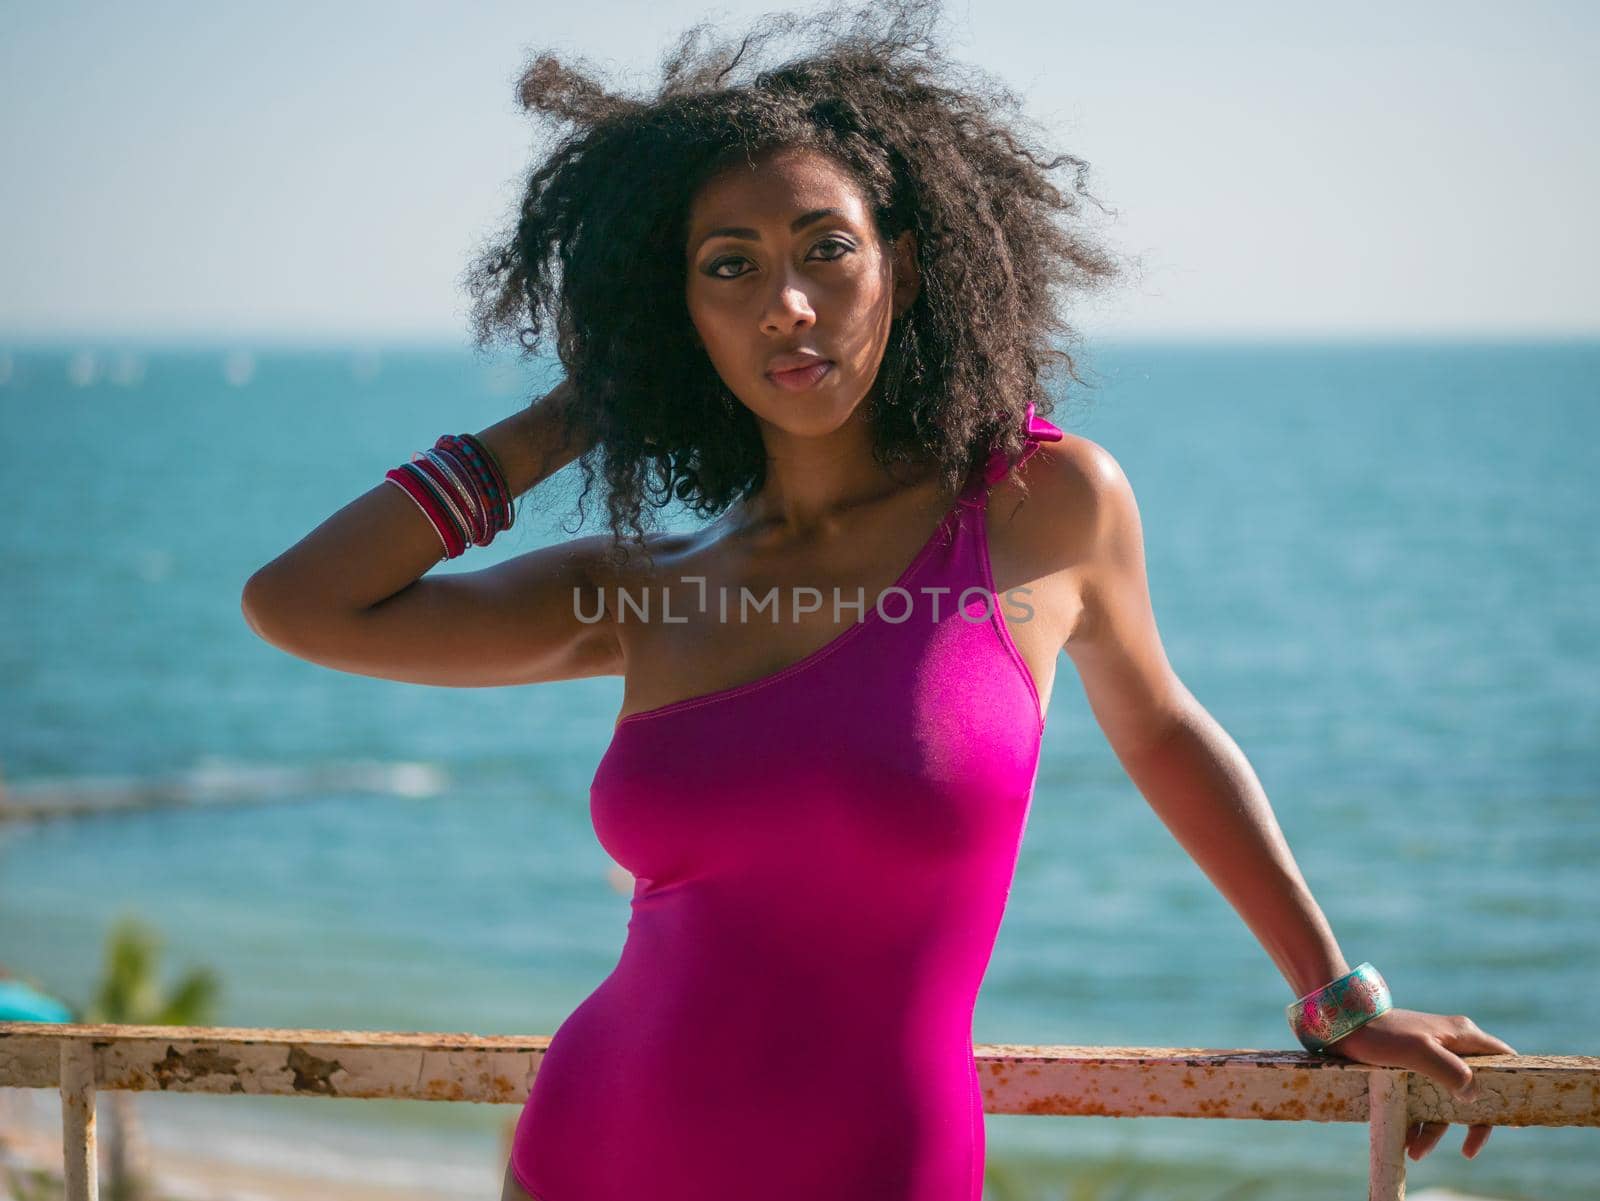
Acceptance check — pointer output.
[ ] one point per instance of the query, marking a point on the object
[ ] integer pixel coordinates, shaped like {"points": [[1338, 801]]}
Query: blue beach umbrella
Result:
{"points": [[19, 1003]]}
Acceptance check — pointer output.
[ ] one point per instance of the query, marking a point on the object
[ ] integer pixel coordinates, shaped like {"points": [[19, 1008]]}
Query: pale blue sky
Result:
{"points": [[326, 170]]}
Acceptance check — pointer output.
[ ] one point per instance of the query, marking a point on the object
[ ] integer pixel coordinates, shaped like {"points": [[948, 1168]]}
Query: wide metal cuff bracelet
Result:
{"points": [[1325, 1015]]}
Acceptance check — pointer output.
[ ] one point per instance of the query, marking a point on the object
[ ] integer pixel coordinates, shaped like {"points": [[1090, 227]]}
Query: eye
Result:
{"points": [[713, 269]]}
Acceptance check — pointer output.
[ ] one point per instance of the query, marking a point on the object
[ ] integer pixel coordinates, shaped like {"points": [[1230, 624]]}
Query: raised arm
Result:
{"points": [[353, 593], [1204, 790]]}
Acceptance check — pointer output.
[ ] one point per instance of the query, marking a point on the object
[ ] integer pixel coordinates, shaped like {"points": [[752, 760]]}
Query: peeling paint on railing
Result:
{"points": [[1181, 1082]]}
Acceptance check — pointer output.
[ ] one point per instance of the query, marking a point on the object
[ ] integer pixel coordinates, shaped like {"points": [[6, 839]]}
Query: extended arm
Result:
{"points": [[1201, 786], [1204, 790]]}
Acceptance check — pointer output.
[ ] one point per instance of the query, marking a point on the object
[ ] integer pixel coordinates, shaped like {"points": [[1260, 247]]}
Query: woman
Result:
{"points": [[834, 693]]}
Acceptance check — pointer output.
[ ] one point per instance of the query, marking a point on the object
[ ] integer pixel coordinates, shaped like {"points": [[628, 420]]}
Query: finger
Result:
{"points": [[1428, 1138], [1477, 1135], [1443, 1065], [1468, 1039]]}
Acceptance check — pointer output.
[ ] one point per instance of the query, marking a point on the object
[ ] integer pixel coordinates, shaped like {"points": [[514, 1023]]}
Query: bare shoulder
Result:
{"points": [[1079, 524], [1068, 479], [1068, 491], [1055, 528], [612, 564], [1090, 516]]}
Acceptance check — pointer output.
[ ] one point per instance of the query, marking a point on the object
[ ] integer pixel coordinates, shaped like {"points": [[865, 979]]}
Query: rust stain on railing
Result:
{"points": [[1184, 1082], [1291, 1086]]}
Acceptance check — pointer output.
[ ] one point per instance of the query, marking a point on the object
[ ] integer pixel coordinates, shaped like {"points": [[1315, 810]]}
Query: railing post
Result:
{"points": [[1387, 1118], [80, 1170]]}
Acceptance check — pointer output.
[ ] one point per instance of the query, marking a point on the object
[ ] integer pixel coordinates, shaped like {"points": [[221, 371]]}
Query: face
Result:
{"points": [[784, 259]]}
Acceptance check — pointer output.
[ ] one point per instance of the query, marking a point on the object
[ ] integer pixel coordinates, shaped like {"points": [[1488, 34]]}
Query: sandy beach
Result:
{"points": [[30, 1140], [189, 1177]]}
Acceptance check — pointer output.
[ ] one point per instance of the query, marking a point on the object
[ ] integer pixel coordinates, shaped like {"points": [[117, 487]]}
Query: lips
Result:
{"points": [[794, 362], [801, 378]]}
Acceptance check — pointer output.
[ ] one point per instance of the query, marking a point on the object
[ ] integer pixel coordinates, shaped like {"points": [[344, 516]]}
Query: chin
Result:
{"points": [[810, 417]]}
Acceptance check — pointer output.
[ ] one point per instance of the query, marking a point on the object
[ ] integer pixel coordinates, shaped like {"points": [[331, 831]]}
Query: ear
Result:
{"points": [[907, 279]]}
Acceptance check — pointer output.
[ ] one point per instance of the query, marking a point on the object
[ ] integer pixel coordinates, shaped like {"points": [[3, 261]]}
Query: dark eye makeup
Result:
{"points": [[711, 267]]}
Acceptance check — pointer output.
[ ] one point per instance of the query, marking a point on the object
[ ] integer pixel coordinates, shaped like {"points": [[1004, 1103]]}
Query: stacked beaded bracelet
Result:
{"points": [[1324, 1016], [461, 490]]}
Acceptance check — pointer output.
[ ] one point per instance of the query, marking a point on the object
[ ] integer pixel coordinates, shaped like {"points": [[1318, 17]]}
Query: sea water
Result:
{"points": [[1374, 564]]}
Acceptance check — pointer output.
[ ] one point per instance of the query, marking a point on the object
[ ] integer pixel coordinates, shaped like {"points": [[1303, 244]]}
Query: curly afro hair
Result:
{"points": [[602, 222]]}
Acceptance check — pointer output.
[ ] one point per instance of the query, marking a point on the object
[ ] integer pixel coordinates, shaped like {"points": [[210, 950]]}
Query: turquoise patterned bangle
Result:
{"points": [[1325, 1015]]}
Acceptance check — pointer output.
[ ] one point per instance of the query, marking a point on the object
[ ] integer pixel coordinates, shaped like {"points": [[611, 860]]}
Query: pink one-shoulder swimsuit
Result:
{"points": [[822, 858]]}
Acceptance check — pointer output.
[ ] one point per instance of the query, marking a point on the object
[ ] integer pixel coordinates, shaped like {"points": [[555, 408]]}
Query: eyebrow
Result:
{"points": [[750, 235]]}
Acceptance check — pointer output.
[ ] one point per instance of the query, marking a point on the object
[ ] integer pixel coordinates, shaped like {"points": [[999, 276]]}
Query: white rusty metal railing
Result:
{"points": [[1174, 1082]]}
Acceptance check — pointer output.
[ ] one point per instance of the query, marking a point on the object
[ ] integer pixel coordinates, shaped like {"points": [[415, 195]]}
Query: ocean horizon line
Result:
{"points": [[434, 342]]}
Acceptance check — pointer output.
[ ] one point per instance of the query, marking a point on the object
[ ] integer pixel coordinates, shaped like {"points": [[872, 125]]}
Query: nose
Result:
{"points": [[787, 308]]}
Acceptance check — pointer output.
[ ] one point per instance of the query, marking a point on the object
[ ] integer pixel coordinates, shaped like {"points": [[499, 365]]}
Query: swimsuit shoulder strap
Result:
{"points": [[1036, 430]]}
